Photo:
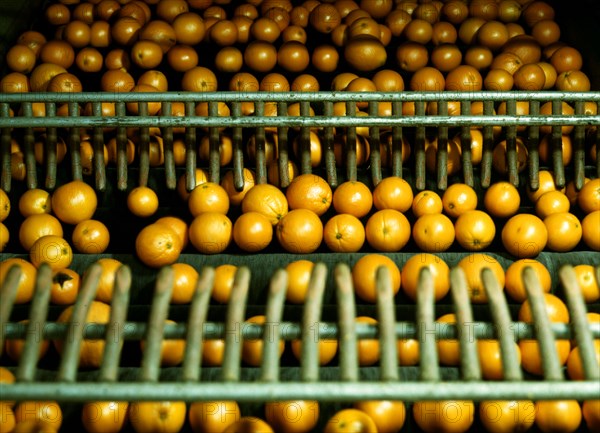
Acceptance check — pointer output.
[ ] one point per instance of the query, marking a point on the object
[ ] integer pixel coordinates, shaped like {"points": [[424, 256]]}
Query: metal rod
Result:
{"points": [[259, 142], [269, 370], [37, 317], [214, 157], [578, 314], [50, 149], [375, 157], [469, 359], [397, 141], [329, 147], [387, 318], [547, 347], [350, 144], [556, 146], [167, 135], [426, 327], [442, 149], [144, 145], [533, 141], [309, 359], [511, 364], [74, 141], [348, 347], [465, 140], [236, 309], [28, 140], [238, 151], [192, 358], [304, 144], [109, 369], [159, 311], [99, 163], [420, 172], [488, 146], [579, 149], [122, 142], [67, 371], [5, 139], [283, 150], [7, 299], [511, 145], [190, 147]]}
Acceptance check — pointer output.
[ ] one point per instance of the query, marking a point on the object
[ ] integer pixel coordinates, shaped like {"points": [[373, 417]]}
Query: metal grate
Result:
{"points": [[346, 387], [322, 102]]}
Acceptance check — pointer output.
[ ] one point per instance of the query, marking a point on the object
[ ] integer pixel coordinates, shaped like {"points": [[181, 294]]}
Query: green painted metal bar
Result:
{"points": [[511, 145], [8, 294], [167, 135], [269, 369], [556, 150], [348, 346], [50, 149], [533, 140], [430, 371], [442, 149], [488, 146], [5, 154], [386, 318], [465, 140]]}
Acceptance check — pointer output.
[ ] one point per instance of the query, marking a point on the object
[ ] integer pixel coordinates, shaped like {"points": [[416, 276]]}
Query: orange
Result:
{"points": [[163, 416], [298, 416], [178, 225], [235, 196], [171, 9], [200, 176], [448, 350], [591, 232], [252, 232], [564, 231], [344, 233], [185, 278], [458, 199], [46, 414], [572, 193], [353, 198], [249, 424], [546, 183], [557, 415], [300, 231], [524, 235], [42, 74], [211, 232], [26, 282], [109, 268], [117, 80], [14, 348], [299, 274], [590, 287], [364, 274], [104, 416], [473, 265], [20, 58], [556, 309], [327, 350], [550, 203], [53, 250], [566, 146], [475, 230], [514, 279], [368, 349], [36, 226], [309, 191], [388, 416], [252, 349], [393, 193], [142, 201], [267, 200], [566, 110], [65, 287], [387, 230], [189, 28], [91, 352], [57, 52], [490, 359], [426, 202], [74, 202], [591, 414], [6, 377], [224, 278], [347, 420], [574, 365], [588, 198], [5, 205], [157, 245], [91, 237], [433, 232], [499, 416], [260, 56], [208, 197], [4, 236], [273, 172], [15, 82], [450, 416], [208, 416], [199, 79], [440, 274], [171, 351]]}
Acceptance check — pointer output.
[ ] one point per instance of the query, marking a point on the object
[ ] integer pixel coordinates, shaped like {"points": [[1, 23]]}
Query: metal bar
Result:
{"points": [[556, 146], [50, 149], [375, 157], [67, 371], [28, 140], [167, 135], [322, 391], [98, 138], [269, 370], [420, 172], [109, 369], [511, 363], [511, 145], [348, 347], [350, 144], [192, 358], [442, 149], [190, 147], [387, 317], [547, 347], [469, 359], [328, 148], [159, 311], [397, 141], [7, 299], [488, 146], [259, 142], [283, 150], [74, 141], [238, 151], [37, 317], [425, 320], [309, 360], [465, 140], [144, 146], [120, 110], [579, 149], [304, 144], [214, 157], [236, 309], [577, 312], [533, 141], [5, 139], [292, 96]]}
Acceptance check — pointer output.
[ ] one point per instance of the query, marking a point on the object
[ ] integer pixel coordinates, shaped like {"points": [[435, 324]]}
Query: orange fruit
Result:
{"points": [[74, 202], [552, 202], [425, 203], [588, 198], [368, 349], [300, 231], [157, 245], [350, 420], [433, 232], [211, 232], [185, 278], [14, 348], [260, 56], [224, 278], [309, 191], [557, 415], [65, 287], [163, 416], [440, 274], [36, 226], [590, 287], [566, 110], [458, 199], [531, 359], [252, 349], [47, 415], [235, 196], [327, 350], [503, 415], [267, 200], [591, 233], [252, 232], [189, 28], [292, 416], [524, 235], [556, 309], [475, 230], [178, 225], [572, 193], [393, 193], [591, 414], [207, 416], [299, 274], [142, 201], [20, 58], [200, 176], [4, 205], [564, 231], [208, 197], [4, 236], [451, 416], [448, 350], [388, 416], [57, 52], [53, 250], [574, 365], [171, 351], [6, 377], [514, 281], [353, 198], [91, 352], [344, 233], [473, 265], [546, 183], [91, 237], [387, 230], [104, 416], [249, 424], [26, 282], [199, 79], [109, 268], [364, 274], [490, 359]]}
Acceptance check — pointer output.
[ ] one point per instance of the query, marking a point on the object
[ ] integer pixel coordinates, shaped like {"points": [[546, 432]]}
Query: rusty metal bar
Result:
{"points": [[5, 139], [67, 371], [283, 149], [98, 143], [442, 149], [214, 157], [328, 148], [304, 146], [122, 142], [511, 145], [420, 172], [350, 144], [348, 347], [236, 309], [190, 149], [167, 135], [192, 358], [375, 157], [387, 318], [579, 149], [50, 149], [556, 146], [465, 144], [426, 327], [488, 146], [28, 152], [238, 150], [144, 146], [269, 370], [397, 141], [74, 141], [259, 142], [533, 141], [109, 369], [7, 299]]}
